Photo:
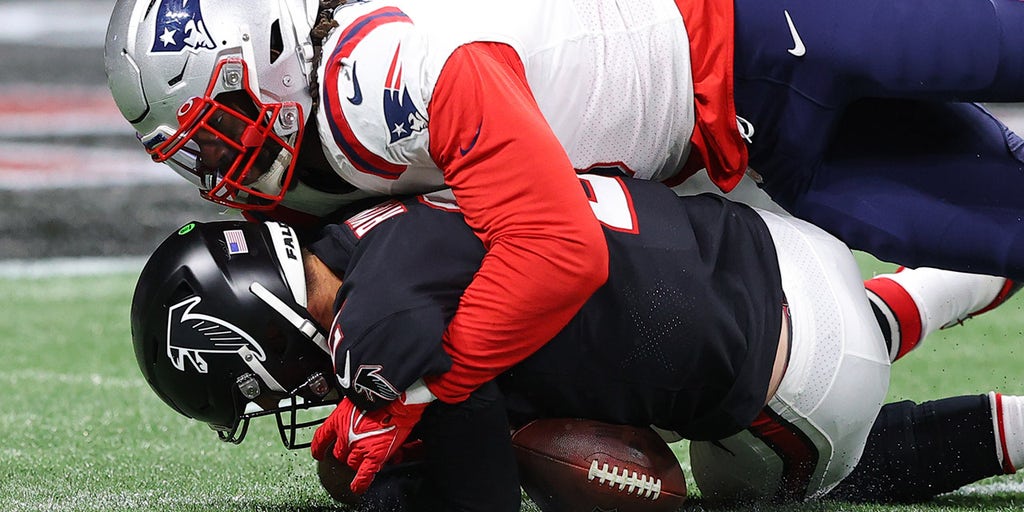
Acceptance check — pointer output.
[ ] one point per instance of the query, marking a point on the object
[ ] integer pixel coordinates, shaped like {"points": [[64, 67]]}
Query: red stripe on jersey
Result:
{"points": [[361, 223], [632, 210], [608, 219], [358, 155], [798, 454], [903, 306]]}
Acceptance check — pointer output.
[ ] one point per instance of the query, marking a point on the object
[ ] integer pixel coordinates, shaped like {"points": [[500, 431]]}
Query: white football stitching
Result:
{"points": [[646, 486]]}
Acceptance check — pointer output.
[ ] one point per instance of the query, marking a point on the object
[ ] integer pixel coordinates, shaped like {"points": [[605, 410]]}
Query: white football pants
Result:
{"points": [[813, 431]]}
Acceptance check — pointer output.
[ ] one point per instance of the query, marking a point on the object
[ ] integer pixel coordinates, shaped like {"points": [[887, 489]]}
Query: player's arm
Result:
{"points": [[376, 365], [470, 463], [379, 368], [546, 252]]}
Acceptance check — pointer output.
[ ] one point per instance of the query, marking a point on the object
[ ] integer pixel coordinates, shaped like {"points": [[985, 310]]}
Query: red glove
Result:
{"points": [[366, 440]]}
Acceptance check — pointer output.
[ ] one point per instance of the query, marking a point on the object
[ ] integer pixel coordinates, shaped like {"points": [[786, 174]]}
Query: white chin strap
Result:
{"points": [[253, 362], [306, 327]]}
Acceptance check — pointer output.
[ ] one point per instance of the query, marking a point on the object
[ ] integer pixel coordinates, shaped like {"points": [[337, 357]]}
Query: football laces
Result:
{"points": [[628, 481]]}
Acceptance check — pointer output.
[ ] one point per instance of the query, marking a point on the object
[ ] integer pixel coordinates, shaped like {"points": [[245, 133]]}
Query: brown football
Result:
{"points": [[577, 464], [335, 477]]}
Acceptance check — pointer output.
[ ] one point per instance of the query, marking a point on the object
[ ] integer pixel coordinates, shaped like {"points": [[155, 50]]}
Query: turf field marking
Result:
{"points": [[68, 267], [92, 379], [991, 488]]}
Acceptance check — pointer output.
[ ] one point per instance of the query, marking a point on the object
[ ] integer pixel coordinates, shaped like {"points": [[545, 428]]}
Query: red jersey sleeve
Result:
{"points": [[546, 252]]}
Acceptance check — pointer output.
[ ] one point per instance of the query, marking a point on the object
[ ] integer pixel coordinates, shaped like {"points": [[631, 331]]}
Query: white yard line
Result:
{"points": [[996, 487], [66, 267], [34, 377]]}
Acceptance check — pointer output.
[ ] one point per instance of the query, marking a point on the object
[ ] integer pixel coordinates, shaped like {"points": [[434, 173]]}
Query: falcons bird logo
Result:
{"points": [[367, 381], [189, 335]]}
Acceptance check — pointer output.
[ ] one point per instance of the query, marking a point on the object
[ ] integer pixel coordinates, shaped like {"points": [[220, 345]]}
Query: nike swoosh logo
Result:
{"points": [[345, 378], [353, 436], [357, 94], [472, 143], [798, 48]]}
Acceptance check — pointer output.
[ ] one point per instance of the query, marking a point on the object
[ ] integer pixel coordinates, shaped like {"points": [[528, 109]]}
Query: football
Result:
{"points": [[584, 465], [335, 477]]}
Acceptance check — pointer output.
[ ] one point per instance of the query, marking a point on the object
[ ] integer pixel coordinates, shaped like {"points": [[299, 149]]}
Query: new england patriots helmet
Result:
{"points": [[216, 89], [222, 334]]}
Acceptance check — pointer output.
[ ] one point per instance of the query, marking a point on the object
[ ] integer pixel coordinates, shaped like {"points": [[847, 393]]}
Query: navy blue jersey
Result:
{"points": [[683, 334]]}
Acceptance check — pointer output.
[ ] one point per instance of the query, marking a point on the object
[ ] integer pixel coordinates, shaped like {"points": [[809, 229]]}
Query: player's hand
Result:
{"points": [[366, 440]]}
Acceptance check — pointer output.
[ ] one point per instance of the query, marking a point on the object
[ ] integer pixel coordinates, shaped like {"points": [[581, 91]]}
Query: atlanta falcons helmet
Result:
{"points": [[217, 89], [222, 334]]}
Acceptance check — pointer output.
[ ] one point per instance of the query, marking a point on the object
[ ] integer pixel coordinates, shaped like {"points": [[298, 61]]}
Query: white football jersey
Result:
{"points": [[611, 77]]}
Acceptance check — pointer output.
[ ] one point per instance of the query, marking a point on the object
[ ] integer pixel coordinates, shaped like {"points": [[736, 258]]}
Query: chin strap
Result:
{"points": [[307, 327], [252, 361], [270, 182]]}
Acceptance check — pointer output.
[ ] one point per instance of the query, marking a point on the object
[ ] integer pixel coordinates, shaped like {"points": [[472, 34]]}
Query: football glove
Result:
{"points": [[367, 440]]}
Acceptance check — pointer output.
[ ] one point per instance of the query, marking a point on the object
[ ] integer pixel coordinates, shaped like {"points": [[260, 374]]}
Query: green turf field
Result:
{"points": [[81, 431]]}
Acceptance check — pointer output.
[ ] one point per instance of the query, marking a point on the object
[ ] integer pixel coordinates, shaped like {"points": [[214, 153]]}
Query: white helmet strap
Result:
{"points": [[305, 326]]}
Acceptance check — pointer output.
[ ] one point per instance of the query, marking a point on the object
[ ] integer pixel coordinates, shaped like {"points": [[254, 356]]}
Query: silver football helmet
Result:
{"points": [[217, 89], [222, 334]]}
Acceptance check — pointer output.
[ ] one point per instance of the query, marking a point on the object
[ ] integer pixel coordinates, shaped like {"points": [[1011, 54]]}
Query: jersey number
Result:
{"points": [[611, 202]]}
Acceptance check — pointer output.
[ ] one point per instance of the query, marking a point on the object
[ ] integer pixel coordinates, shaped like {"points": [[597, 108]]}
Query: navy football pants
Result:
{"points": [[869, 134]]}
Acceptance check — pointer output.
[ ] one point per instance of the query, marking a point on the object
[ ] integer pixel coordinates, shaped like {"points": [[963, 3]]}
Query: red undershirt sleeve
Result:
{"points": [[546, 252]]}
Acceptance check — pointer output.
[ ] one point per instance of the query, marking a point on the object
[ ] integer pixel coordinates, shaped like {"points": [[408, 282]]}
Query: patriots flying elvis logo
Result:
{"points": [[179, 25], [400, 113]]}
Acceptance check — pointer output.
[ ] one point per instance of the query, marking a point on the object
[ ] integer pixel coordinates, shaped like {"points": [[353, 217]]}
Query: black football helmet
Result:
{"points": [[221, 330]]}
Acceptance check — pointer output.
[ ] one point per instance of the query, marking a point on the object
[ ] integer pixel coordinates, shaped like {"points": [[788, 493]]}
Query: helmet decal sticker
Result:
{"points": [[236, 242], [187, 228], [180, 26], [400, 113], [189, 335]]}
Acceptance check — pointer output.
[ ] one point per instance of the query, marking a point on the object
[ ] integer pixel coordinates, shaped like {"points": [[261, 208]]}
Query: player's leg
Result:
{"points": [[923, 185], [939, 190], [798, 63], [812, 432], [913, 303], [948, 50], [917, 451]]}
